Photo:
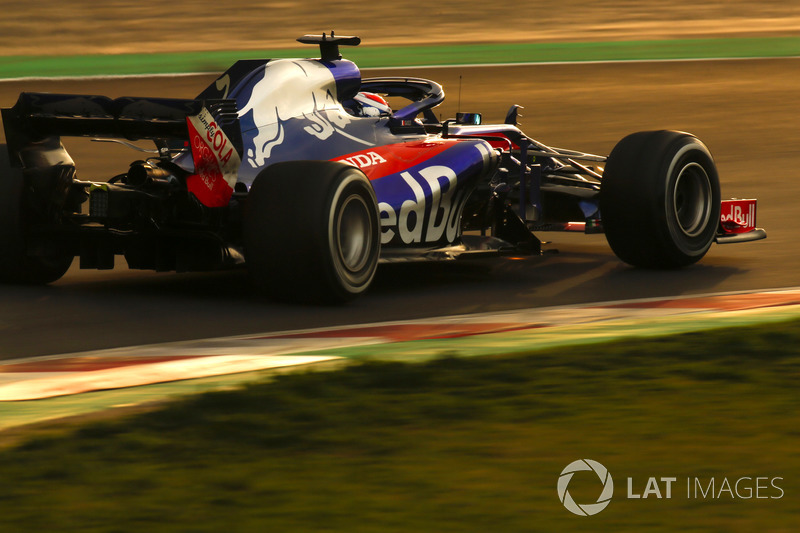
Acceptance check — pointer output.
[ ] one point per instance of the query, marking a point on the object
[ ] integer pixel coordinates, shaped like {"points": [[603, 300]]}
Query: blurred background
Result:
{"points": [[65, 27]]}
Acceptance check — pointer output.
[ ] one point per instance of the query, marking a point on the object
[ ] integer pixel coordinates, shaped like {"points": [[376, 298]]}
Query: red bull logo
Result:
{"points": [[738, 216], [443, 218]]}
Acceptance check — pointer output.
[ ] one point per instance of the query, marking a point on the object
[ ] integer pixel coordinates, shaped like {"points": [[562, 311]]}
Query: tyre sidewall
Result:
{"points": [[11, 241], [351, 186], [16, 266], [684, 248]]}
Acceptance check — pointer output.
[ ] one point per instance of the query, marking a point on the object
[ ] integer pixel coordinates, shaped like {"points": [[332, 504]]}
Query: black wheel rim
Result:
{"points": [[354, 230], [692, 199]]}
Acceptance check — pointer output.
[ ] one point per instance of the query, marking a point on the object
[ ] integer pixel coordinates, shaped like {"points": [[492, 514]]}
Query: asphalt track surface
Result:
{"points": [[745, 111]]}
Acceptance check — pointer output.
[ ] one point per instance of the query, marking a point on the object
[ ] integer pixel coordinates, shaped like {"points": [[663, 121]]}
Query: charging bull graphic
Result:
{"points": [[269, 107]]}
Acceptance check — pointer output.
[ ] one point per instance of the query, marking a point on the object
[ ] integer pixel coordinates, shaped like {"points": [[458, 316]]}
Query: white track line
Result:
{"points": [[416, 67]]}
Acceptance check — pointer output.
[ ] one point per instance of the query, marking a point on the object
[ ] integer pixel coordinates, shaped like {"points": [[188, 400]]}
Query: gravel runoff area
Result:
{"points": [[58, 27]]}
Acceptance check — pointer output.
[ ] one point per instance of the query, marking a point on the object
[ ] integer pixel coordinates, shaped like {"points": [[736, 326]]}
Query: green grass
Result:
{"points": [[399, 56], [472, 444]]}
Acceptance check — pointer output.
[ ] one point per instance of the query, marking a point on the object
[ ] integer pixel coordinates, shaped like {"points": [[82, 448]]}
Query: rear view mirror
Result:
{"points": [[473, 119]]}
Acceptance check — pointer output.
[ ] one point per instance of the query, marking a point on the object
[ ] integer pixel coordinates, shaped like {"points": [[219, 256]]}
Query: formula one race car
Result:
{"points": [[301, 170]]}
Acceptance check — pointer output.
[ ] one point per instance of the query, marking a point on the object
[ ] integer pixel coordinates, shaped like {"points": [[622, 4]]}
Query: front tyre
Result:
{"points": [[660, 199], [312, 231]]}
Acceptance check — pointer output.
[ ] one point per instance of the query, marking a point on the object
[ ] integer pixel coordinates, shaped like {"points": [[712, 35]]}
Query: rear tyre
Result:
{"points": [[312, 231], [17, 265], [660, 199]]}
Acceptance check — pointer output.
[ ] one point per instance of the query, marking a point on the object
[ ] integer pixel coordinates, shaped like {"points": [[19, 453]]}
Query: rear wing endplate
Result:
{"points": [[37, 117]]}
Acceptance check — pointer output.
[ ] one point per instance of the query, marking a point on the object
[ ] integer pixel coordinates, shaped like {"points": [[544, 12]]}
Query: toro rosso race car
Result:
{"points": [[300, 170]]}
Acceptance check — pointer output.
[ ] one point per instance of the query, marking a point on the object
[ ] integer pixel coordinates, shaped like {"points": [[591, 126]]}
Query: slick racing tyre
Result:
{"points": [[312, 231], [660, 199], [17, 265]]}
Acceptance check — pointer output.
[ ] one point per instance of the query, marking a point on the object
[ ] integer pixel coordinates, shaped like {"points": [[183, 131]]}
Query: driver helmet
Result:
{"points": [[366, 104]]}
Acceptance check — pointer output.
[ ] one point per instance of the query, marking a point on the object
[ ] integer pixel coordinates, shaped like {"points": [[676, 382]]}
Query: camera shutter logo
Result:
{"points": [[587, 509]]}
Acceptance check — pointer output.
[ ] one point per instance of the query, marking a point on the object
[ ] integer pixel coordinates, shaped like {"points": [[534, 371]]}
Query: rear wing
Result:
{"points": [[37, 120]]}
